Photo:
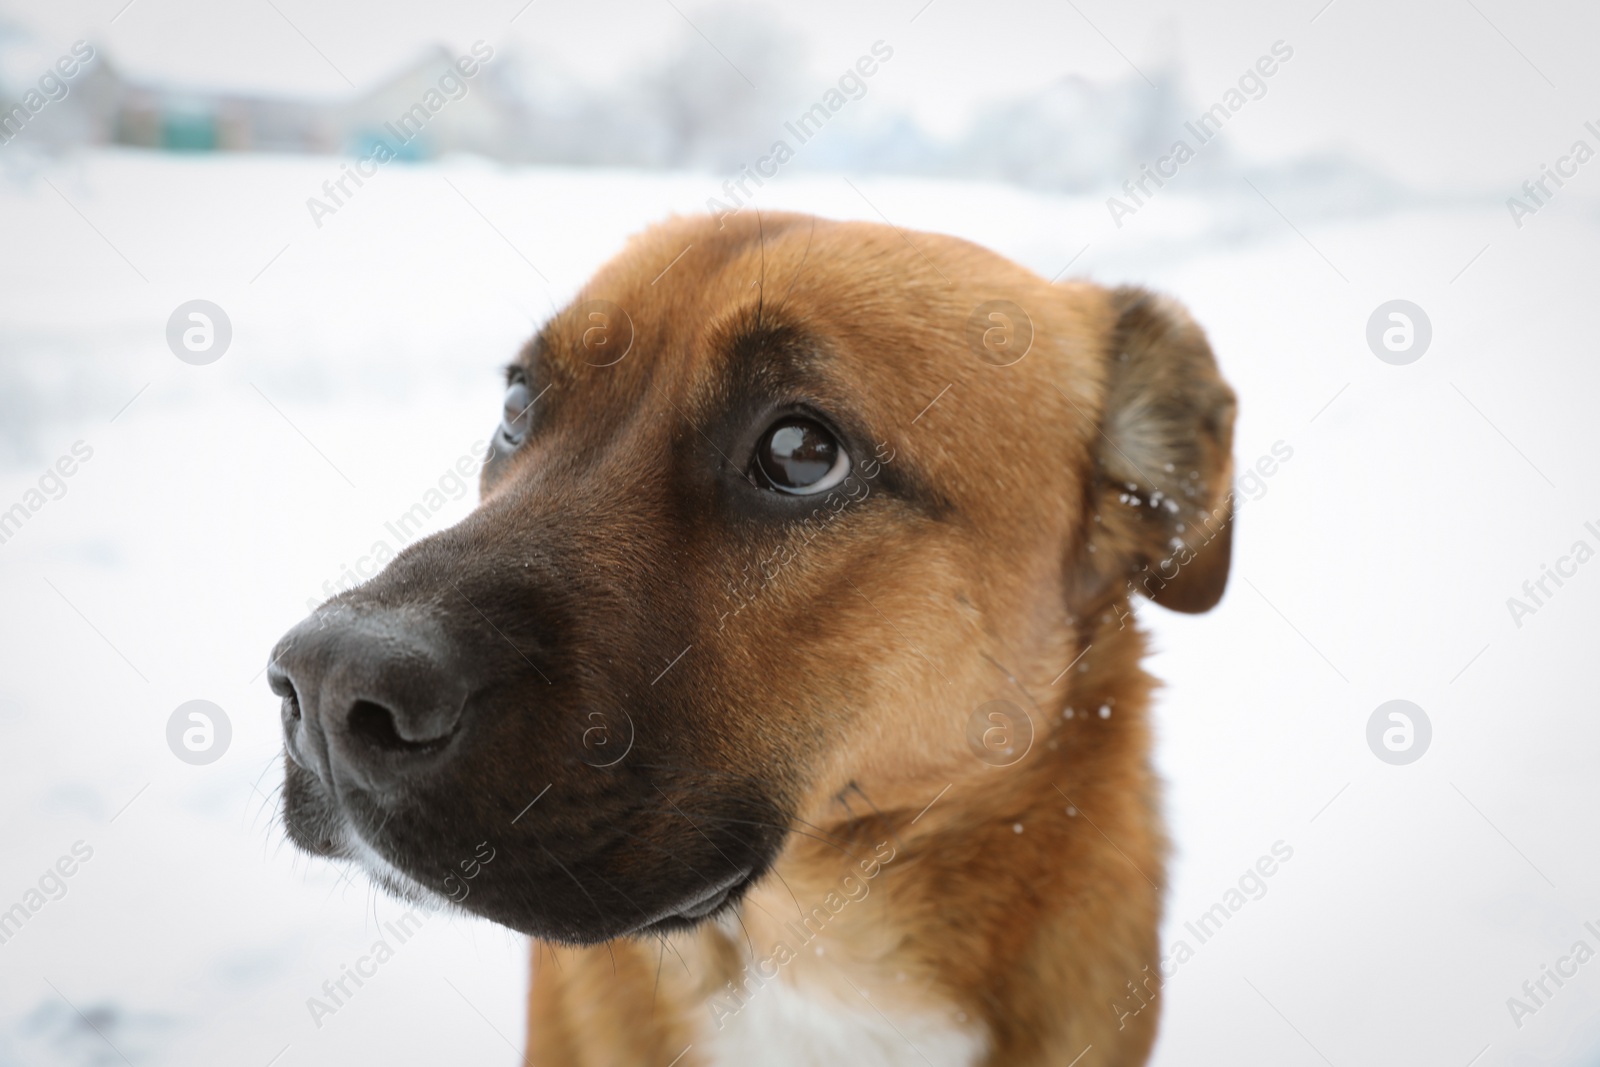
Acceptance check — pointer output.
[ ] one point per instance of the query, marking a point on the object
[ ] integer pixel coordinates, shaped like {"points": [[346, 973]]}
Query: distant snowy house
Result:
{"points": [[430, 109], [681, 112], [426, 110]]}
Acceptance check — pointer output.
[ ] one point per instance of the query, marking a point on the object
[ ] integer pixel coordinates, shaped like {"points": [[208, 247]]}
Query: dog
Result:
{"points": [[784, 687]]}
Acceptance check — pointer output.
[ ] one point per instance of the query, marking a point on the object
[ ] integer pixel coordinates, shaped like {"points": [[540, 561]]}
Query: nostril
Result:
{"points": [[375, 724], [279, 682], [368, 698]]}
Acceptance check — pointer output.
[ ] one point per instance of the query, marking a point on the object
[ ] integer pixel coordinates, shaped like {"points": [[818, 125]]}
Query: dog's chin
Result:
{"points": [[704, 905], [321, 827]]}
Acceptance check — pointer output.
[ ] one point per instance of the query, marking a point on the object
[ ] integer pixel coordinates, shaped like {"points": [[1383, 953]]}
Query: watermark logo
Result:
{"points": [[852, 85], [336, 992], [199, 332], [1399, 732], [852, 888], [1536, 192], [607, 738], [1565, 567], [1564, 970], [198, 732], [607, 332], [409, 525], [52, 485], [1203, 526], [51, 886], [999, 733], [53, 85], [1251, 885], [1207, 127], [396, 140], [455, 885], [1399, 332], [999, 332]]}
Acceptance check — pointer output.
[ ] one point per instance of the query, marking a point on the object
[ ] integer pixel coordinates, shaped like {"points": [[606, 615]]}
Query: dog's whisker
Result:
{"points": [[661, 958], [843, 801], [715, 772], [642, 913], [779, 876], [269, 805], [761, 290], [673, 856], [272, 760], [581, 887], [752, 822], [721, 853], [887, 825], [718, 795], [748, 940], [799, 270], [666, 939], [821, 835]]}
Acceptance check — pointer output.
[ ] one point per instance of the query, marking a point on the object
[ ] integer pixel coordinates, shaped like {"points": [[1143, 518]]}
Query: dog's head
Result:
{"points": [[772, 509]]}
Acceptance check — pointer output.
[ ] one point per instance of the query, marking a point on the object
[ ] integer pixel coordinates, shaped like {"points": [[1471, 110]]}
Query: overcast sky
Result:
{"points": [[1454, 93]]}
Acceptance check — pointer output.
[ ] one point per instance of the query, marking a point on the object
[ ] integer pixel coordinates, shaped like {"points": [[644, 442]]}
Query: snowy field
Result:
{"points": [[1373, 564]]}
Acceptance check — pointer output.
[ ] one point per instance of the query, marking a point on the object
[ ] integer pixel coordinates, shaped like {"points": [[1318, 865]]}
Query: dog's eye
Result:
{"points": [[518, 415], [798, 456]]}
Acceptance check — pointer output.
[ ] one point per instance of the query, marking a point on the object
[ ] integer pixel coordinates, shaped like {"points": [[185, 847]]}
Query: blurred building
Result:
{"points": [[685, 113], [105, 106]]}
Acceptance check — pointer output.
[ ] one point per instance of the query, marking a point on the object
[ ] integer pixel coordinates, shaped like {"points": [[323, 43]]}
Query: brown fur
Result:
{"points": [[1013, 521]]}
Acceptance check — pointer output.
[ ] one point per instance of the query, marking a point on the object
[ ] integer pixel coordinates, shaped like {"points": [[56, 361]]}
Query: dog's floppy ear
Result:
{"points": [[1159, 514]]}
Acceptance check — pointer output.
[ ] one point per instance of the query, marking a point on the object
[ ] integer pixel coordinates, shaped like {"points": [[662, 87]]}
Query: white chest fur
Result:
{"points": [[780, 1026]]}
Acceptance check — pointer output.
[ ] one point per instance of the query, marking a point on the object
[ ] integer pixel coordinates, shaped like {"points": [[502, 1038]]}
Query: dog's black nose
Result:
{"points": [[370, 697]]}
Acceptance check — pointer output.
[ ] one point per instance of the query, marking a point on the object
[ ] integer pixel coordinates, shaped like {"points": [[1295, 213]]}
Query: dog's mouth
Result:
{"points": [[707, 902], [703, 904], [575, 868]]}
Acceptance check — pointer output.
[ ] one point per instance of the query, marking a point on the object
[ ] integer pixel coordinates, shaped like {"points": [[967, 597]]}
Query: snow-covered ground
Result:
{"points": [[1375, 563]]}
